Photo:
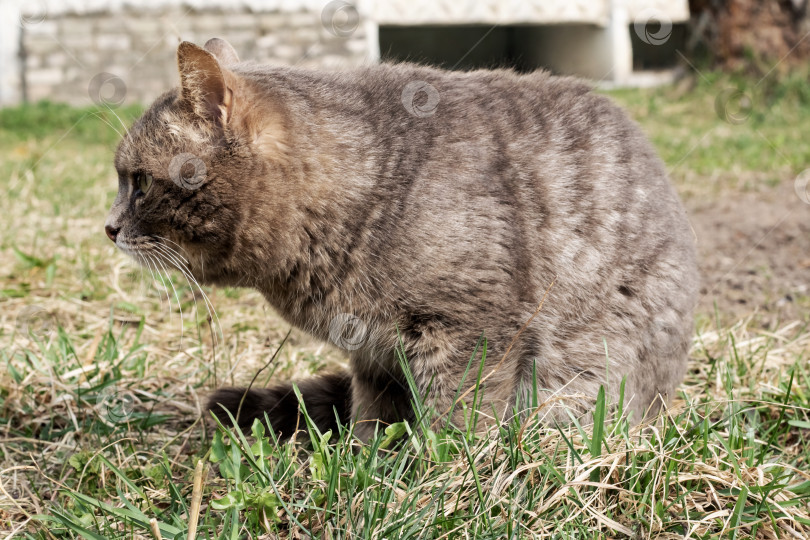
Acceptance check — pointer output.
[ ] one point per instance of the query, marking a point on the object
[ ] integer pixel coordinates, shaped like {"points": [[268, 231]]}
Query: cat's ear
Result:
{"points": [[222, 50], [203, 85]]}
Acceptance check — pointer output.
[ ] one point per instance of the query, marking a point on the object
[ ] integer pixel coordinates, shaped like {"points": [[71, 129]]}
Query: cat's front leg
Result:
{"points": [[378, 402], [455, 391]]}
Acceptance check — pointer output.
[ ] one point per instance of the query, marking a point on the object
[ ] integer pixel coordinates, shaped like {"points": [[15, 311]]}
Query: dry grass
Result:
{"points": [[104, 380]]}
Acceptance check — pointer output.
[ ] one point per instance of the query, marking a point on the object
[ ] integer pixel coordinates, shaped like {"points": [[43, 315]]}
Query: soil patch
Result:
{"points": [[754, 251]]}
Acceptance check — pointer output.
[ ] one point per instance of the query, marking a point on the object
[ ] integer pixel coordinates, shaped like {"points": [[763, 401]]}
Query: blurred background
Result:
{"points": [[52, 49]]}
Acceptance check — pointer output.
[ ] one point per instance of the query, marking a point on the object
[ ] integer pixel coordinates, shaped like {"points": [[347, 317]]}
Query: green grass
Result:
{"points": [[708, 152], [45, 119], [103, 382]]}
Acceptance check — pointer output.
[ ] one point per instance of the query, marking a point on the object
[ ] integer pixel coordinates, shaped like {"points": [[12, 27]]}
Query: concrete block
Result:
{"points": [[42, 28], [38, 92], [357, 46], [111, 25], [243, 36], [74, 26], [288, 52], [89, 58], [44, 76], [138, 26], [303, 19], [57, 59], [40, 44], [240, 20], [271, 21], [113, 42], [76, 43], [74, 74], [306, 36], [209, 22]]}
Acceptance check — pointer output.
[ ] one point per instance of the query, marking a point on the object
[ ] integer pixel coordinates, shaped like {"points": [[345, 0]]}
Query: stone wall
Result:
{"points": [[128, 55], [123, 51]]}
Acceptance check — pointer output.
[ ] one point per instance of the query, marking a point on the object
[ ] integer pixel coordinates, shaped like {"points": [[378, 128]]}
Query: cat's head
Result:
{"points": [[188, 167]]}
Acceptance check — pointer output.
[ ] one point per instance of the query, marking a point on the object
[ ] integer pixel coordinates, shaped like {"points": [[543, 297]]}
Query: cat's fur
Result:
{"points": [[327, 194]]}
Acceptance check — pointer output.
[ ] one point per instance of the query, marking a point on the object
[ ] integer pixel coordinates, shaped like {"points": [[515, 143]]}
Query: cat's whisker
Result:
{"points": [[145, 260], [115, 114], [162, 264], [162, 284], [112, 127], [209, 306], [155, 279], [175, 257], [168, 262], [143, 279], [181, 248]]}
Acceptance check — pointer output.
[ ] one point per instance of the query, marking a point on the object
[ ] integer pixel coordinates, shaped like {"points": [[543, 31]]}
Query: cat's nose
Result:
{"points": [[111, 231]]}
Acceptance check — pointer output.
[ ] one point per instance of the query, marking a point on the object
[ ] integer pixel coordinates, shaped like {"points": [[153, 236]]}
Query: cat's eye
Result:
{"points": [[143, 181]]}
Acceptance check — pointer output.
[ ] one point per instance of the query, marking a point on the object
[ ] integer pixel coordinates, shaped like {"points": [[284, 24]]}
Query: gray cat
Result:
{"points": [[398, 206]]}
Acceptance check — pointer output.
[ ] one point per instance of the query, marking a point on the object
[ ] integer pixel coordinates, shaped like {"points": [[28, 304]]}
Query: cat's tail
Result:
{"points": [[327, 398]]}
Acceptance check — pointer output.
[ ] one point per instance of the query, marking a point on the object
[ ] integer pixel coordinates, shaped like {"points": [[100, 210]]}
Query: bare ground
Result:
{"points": [[754, 250]]}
